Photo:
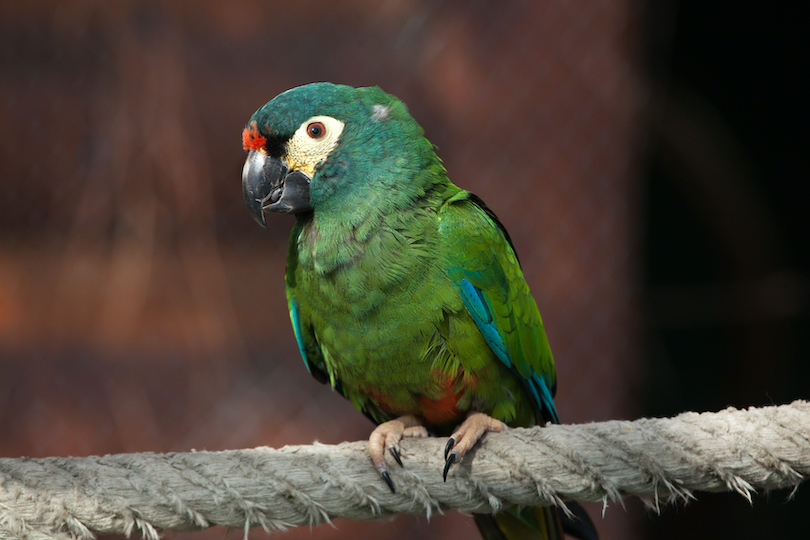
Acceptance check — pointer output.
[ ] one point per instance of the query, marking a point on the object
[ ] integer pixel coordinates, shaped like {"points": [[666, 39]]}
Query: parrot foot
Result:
{"points": [[466, 435], [388, 435]]}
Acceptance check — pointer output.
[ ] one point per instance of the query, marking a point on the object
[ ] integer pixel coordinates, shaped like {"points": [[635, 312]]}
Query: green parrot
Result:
{"points": [[404, 290]]}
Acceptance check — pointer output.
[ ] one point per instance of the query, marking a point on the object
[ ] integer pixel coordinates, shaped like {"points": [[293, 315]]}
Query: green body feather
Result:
{"points": [[380, 314]]}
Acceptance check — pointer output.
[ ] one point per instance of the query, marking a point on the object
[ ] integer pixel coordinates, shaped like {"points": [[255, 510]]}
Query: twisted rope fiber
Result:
{"points": [[659, 460]]}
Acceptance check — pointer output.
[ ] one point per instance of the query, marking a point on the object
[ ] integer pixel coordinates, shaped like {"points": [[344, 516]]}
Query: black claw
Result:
{"points": [[396, 455], [387, 478], [450, 460], [450, 444]]}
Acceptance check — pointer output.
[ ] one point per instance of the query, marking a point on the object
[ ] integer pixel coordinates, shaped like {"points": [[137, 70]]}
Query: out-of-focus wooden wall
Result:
{"points": [[141, 309]]}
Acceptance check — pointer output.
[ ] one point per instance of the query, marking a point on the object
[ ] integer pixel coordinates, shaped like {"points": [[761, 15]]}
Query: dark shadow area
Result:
{"points": [[727, 250]]}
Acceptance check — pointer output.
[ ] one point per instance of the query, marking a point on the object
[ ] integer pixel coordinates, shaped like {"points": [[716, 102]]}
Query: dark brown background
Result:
{"points": [[649, 162]]}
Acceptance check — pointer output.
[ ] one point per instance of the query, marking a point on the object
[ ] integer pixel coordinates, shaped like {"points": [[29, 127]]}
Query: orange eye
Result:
{"points": [[316, 130]]}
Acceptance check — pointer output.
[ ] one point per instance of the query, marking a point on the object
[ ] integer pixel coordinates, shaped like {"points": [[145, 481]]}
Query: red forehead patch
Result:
{"points": [[252, 139]]}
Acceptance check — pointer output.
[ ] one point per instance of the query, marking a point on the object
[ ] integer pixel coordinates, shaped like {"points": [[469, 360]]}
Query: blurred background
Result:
{"points": [[650, 160]]}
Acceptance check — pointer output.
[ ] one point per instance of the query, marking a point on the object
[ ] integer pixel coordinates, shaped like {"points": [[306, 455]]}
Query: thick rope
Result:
{"points": [[655, 459]]}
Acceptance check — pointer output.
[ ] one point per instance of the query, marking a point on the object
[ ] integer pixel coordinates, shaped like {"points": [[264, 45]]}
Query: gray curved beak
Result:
{"points": [[268, 185]]}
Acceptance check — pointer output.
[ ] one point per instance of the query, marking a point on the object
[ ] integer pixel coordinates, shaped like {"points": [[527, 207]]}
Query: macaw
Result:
{"points": [[404, 291]]}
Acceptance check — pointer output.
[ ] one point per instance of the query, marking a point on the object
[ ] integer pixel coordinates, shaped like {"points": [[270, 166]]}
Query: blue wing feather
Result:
{"points": [[299, 336], [477, 303]]}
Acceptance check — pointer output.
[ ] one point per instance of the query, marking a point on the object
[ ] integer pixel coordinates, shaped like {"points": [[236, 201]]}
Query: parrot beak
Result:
{"points": [[268, 185]]}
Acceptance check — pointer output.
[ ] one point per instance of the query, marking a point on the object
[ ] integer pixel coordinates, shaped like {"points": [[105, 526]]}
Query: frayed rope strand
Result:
{"points": [[660, 460]]}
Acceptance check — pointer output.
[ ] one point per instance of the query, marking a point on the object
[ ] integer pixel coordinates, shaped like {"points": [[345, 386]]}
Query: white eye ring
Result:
{"points": [[313, 142], [319, 130]]}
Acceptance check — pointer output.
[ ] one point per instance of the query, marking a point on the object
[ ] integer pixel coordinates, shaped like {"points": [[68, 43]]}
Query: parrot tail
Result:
{"points": [[536, 523]]}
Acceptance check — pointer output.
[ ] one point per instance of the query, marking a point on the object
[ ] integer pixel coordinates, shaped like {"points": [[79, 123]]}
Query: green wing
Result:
{"points": [[484, 269]]}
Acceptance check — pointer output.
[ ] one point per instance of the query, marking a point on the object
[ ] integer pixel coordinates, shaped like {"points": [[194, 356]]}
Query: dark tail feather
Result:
{"points": [[580, 525], [529, 523], [536, 523]]}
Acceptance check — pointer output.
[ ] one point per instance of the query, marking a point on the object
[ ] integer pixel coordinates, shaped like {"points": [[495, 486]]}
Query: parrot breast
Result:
{"points": [[380, 305], [392, 329]]}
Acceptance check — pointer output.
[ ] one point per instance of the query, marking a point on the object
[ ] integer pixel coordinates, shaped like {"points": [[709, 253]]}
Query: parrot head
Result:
{"points": [[324, 147]]}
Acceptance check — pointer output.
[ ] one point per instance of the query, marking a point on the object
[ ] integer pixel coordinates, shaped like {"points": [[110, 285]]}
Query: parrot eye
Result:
{"points": [[316, 130]]}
